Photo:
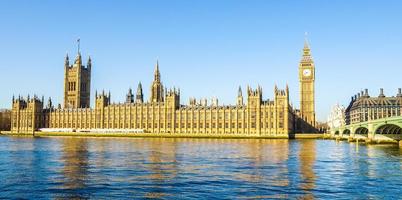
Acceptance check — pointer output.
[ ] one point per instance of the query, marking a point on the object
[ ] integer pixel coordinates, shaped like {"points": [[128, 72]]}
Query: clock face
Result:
{"points": [[306, 72]]}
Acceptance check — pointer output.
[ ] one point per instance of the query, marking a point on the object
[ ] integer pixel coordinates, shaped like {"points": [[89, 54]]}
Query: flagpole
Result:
{"points": [[78, 42]]}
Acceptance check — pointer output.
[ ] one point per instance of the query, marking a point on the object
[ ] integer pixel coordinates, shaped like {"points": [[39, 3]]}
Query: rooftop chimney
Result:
{"points": [[381, 93], [399, 92], [366, 92]]}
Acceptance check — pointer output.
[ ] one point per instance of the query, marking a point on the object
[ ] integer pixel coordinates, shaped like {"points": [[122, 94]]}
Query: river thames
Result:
{"points": [[119, 168]]}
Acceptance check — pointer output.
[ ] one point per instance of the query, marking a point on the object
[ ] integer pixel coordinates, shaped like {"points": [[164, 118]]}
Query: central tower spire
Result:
{"points": [[157, 75], [157, 87]]}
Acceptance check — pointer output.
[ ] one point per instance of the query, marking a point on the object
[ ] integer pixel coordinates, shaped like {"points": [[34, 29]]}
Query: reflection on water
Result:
{"points": [[75, 165], [307, 160], [77, 168]]}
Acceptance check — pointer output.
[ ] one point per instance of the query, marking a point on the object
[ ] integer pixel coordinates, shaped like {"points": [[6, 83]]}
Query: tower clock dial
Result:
{"points": [[306, 72]]}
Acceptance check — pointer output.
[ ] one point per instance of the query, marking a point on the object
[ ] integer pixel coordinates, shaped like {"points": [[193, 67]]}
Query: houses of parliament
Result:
{"points": [[163, 113]]}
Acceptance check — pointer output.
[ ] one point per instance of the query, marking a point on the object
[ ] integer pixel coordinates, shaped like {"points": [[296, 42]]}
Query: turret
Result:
{"points": [[129, 96], [49, 103], [256, 94], [66, 61], [19, 103], [399, 92], [282, 93], [139, 98], [240, 97], [89, 63], [173, 98], [102, 100]]}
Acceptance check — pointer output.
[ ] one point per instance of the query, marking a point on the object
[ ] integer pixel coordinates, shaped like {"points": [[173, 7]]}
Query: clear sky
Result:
{"points": [[207, 48]]}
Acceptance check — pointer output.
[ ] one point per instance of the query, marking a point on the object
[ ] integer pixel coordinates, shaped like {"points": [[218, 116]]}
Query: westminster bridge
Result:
{"points": [[379, 130]]}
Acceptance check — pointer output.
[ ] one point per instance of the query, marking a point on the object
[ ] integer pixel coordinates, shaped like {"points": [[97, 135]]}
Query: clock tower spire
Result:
{"points": [[307, 90]]}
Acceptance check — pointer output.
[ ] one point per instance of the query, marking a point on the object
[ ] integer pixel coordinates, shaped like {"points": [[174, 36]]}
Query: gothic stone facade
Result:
{"points": [[163, 113]]}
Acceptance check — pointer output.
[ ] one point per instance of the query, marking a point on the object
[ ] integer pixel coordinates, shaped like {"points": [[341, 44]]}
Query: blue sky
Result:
{"points": [[207, 48]]}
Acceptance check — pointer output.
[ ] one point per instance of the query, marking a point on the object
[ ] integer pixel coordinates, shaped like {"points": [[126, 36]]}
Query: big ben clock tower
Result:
{"points": [[306, 79]]}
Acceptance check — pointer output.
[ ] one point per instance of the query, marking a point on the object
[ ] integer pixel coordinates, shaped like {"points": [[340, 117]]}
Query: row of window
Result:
{"points": [[182, 125], [189, 116], [365, 115], [107, 120]]}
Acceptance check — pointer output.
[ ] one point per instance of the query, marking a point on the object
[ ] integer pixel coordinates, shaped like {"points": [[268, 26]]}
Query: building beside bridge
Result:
{"points": [[364, 107], [372, 117], [163, 113]]}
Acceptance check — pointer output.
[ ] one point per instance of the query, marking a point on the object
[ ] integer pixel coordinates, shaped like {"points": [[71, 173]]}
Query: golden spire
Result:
{"points": [[157, 74], [306, 50], [157, 65], [306, 44]]}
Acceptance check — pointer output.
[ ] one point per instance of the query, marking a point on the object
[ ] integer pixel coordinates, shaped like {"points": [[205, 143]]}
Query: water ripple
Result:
{"points": [[121, 168]]}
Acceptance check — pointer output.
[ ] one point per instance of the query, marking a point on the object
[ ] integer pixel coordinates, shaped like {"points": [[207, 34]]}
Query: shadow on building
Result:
{"points": [[5, 120], [302, 126]]}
